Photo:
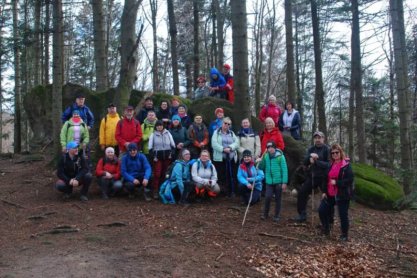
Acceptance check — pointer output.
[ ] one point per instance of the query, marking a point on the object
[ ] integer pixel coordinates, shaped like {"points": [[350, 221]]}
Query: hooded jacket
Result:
{"points": [[254, 175], [216, 144], [273, 135], [275, 168], [249, 140], [270, 110], [67, 133], [111, 166], [135, 167], [107, 133], [203, 174], [128, 131], [147, 130], [85, 114]]}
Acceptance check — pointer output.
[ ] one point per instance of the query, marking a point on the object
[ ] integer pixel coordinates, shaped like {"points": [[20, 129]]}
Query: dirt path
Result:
{"points": [[204, 240]]}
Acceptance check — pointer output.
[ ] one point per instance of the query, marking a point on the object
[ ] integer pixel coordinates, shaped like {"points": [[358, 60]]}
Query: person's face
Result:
{"points": [[245, 123], [201, 84], [181, 110], [271, 150], [272, 101], [186, 156], [198, 119], [226, 125], [269, 125], [318, 141], [133, 152], [289, 106], [336, 155], [75, 115], [110, 155], [129, 113], [159, 127], [151, 116], [226, 71], [175, 103], [80, 101], [73, 151], [214, 76], [164, 105], [175, 123], [149, 103], [111, 110], [204, 157], [220, 115], [247, 159]]}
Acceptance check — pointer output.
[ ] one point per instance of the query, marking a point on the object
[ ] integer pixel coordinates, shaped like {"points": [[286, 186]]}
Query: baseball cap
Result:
{"points": [[318, 133], [72, 145]]}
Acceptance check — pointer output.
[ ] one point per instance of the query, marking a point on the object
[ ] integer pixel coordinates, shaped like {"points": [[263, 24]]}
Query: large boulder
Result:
{"points": [[374, 188]]}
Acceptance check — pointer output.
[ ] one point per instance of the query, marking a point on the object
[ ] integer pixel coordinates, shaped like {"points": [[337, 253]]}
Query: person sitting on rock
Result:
{"points": [[108, 174], [136, 171], [204, 175], [202, 89], [217, 84], [73, 171]]}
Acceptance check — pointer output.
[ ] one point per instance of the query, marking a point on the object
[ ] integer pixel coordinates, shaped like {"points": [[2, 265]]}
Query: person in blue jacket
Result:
{"points": [[217, 84], [249, 178], [85, 112], [136, 171]]}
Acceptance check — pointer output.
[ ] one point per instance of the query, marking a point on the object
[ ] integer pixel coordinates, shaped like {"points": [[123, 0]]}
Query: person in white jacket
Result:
{"points": [[249, 140], [204, 176]]}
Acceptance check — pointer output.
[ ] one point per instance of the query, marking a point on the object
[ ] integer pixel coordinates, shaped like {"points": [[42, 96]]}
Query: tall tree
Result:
{"points": [[319, 91], [292, 93], [37, 43], [46, 32], [57, 68], [17, 81], [258, 30], [128, 50], [356, 82], [402, 87], [100, 52], [240, 59], [174, 57], [155, 78], [196, 33]]}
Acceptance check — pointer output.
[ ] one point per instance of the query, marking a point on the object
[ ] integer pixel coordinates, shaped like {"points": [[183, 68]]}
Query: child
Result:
{"points": [[276, 176]]}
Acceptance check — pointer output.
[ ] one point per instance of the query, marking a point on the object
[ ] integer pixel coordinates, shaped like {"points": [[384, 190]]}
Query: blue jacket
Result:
{"points": [[214, 125], [135, 167], [85, 114], [257, 174], [220, 81], [180, 174]]}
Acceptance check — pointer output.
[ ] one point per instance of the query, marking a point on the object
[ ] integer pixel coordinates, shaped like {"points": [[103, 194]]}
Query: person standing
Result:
{"points": [[108, 174], [218, 122], [164, 113], [147, 106], [270, 110], [316, 164], [198, 134], [128, 130], [249, 140], [290, 121], [274, 165], [230, 95], [73, 171], [75, 130], [179, 134], [107, 133], [148, 127], [271, 133], [85, 113], [338, 191]]}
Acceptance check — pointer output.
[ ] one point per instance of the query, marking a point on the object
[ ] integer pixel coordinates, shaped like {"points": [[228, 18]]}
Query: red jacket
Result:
{"points": [[275, 136], [113, 167], [128, 131], [230, 95], [270, 110]]}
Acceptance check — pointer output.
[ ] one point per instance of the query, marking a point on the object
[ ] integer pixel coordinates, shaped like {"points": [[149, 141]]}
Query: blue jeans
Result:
{"points": [[326, 212]]}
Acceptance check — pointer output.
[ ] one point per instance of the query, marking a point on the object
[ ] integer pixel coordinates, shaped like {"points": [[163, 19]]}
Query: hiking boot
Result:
{"points": [[131, 196], [66, 196], [104, 196], [155, 195], [84, 198], [276, 219], [343, 238], [147, 196], [300, 218], [264, 216]]}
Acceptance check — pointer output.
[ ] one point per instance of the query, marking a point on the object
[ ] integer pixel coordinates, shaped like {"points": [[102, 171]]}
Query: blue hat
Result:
{"points": [[176, 117], [72, 145], [76, 112], [132, 146]]}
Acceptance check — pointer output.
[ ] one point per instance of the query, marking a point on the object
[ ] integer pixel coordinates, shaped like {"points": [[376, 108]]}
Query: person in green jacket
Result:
{"points": [[74, 130], [274, 165], [148, 127]]}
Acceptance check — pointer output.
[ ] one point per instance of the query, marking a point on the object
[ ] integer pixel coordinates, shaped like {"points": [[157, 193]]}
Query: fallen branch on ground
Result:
{"points": [[284, 237], [13, 204], [58, 230], [219, 256], [113, 224]]}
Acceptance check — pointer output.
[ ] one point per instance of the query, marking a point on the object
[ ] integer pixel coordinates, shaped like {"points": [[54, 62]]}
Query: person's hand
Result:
{"points": [[333, 181], [102, 147], [75, 182], [127, 144], [312, 160], [180, 145], [323, 196], [314, 156], [249, 186], [108, 175], [284, 187], [145, 182], [136, 182], [226, 150], [89, 127], [228, 87], [258, 160]]}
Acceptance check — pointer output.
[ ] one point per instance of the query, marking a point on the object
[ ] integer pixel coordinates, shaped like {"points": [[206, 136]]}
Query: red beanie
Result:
{"points": [[218, 110], [226, 66]]}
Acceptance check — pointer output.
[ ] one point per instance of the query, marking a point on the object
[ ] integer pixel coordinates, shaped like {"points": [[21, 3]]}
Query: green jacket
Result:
{"points": [[147, 130], [274, 167], [67, 133]]}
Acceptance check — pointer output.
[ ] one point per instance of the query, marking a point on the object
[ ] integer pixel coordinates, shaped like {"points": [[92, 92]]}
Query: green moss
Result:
{"points": [[374, 188]]}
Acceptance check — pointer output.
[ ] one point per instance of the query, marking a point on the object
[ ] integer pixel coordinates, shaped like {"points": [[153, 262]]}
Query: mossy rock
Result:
{"points": [[374, 188]]}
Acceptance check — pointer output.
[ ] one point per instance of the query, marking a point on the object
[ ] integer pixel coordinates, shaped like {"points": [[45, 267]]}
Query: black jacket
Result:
{"points": [[72, 168], [321, 166]]}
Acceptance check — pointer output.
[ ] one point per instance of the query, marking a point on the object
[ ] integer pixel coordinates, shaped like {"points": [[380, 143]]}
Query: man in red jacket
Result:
{"points": [[128, 130]]}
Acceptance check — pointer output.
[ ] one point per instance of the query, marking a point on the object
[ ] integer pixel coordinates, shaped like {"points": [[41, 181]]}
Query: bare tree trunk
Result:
{"points": [[196, 29], [292, 93], [319, 96], [258, 35], [2, 22], [356, 82], [17, 93], [214, 34], [46, 42], [240, 59], [37, 44], [300, 98], [220, 12], [109, 22], [128, 51], [174, 58], [351, 144], [271, 53], [100, 57], [57, 61], [155, 77], [401, 64], [188, 78]]}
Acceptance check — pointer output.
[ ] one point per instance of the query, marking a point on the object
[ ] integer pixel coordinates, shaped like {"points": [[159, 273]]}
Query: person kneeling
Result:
{"points": [[72, 172], [179, 179], [250, 179], [204, 175], [108, 174]]}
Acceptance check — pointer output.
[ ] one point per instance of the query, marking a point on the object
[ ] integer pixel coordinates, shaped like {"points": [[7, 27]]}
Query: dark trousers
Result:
{"points": [[272, 189], [305, 191], [130, 186], [226, 175], [85, 182], [326, 213], [245, 195], [109, 186]]}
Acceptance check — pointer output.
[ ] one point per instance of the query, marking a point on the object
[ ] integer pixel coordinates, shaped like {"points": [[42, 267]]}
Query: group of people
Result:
{"points": [[170, 156], [220, 85]]}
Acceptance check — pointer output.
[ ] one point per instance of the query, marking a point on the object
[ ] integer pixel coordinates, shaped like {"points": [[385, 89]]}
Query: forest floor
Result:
{"points": [[133, 238]]}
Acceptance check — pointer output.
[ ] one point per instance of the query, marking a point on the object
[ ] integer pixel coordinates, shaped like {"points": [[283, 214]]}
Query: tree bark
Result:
{"points": [[240, 59], [196, 50], [155, 78], [402, 87], [221, 14], [17, 91], [356, 82], [100, 57], [292, 93], [128, 53], [300, 97], [258, 35], [319, 91], [214, 34], [57, 61], [174, 57], [46, 42], [37, 44]]}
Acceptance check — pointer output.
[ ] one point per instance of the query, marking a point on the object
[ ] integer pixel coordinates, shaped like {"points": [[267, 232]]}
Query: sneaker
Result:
{"points": [[84, 198], [343, 238], [276, 219]]}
